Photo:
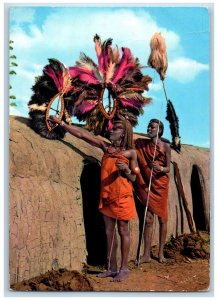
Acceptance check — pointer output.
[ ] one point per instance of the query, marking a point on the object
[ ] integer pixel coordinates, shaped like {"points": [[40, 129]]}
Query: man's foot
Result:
{"points": [[142, 260], [164, 260], [107, 274], [123, 273]]}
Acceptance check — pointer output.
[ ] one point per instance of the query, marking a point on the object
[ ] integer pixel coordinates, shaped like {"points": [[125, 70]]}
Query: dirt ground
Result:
{"points": [[189, 271], [189, 275]]}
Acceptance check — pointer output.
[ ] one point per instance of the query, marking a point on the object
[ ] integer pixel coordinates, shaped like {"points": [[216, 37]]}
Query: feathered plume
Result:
{"points": [[54, 80], [174, 126], [158, 56], [158, 61], [125, 64]]}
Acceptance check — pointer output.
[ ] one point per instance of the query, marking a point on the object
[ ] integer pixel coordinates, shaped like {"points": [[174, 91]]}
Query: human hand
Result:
{"points": [[123, 167], [156, 167], [54, 119]]}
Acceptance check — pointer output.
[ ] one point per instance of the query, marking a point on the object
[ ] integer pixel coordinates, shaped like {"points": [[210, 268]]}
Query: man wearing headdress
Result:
{"points": [[116, 201]]}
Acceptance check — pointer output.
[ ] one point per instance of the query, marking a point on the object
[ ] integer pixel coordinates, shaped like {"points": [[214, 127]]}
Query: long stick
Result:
{"points": [[165, 93]]}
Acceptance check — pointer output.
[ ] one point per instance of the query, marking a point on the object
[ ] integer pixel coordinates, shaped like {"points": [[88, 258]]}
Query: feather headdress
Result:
{"points": [[158, 61], [116, 79], [55, 80], [96, 92]]}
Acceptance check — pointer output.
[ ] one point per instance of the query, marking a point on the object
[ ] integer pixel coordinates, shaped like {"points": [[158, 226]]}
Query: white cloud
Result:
{"points": [[68, 31], [21, 107], [185, 70], [15, 111], [155, 87]]}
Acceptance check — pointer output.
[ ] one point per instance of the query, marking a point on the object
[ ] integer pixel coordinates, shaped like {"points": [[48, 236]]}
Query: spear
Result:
{"points": [[158, 61]]}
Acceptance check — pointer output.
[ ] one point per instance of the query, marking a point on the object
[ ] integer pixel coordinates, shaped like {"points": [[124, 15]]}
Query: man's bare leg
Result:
{"points": [[147, 238], [110, 230], [162, 240], [123, 229]]}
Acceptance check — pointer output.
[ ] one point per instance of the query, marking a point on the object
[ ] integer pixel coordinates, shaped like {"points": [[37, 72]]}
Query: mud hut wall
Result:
{"points": [[199, 158], [45, 211], [184, 165]]}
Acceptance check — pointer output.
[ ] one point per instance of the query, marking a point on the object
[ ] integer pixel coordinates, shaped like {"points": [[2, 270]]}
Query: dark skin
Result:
{"points": [[152, 133], [116, 143]]}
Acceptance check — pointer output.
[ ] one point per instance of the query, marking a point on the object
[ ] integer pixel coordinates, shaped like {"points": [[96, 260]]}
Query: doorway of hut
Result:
{"points": [[198, 199], [93, 221]]}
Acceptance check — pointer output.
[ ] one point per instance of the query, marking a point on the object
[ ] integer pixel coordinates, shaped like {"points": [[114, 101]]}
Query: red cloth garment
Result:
{"points": [[116, 199], [158, 197]]}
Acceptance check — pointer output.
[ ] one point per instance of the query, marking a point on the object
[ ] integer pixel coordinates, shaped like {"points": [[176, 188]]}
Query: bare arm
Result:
{"points": [[131, 154], [77, 132], [166, 168]]}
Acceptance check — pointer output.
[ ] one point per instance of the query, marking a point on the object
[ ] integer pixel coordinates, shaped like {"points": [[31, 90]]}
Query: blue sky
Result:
{"points": [[63, 32]]}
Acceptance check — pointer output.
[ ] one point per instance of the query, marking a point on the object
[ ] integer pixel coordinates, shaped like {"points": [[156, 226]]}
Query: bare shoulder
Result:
{"points": [[105, 145], [130, 154], [133, 153], [167, 146], [167, 149]]}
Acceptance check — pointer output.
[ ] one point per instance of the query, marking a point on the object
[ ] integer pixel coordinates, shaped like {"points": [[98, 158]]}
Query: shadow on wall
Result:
{"points": [[94, 225], [198, 199]]}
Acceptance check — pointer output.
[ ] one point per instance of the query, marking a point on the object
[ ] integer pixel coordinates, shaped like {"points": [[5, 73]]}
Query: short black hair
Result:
{"points": [[161, 126]]}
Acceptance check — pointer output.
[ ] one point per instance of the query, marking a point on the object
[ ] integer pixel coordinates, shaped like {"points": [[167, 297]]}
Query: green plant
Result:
{"points": [[12, 64]]}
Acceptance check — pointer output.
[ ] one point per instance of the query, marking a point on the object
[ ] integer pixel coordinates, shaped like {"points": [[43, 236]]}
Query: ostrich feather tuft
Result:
{"points": [[158, 55]]}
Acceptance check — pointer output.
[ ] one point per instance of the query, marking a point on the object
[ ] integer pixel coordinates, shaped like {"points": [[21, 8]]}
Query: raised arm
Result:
{"points": [[81, 134]]}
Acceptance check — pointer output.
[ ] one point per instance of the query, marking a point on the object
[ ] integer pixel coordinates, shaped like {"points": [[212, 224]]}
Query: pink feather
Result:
{"points": [[85, 107], [110, 125], [101, 63], [125, 63], [83, 75], [131, 102]]}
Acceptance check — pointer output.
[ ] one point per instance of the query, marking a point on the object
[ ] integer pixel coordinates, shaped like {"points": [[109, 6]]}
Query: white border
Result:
{"points": [[4, 158]]}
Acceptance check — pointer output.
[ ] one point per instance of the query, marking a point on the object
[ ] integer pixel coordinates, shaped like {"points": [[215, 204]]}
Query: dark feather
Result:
{"points": [[44, 90], [56, 65], [39, 126], [174, 126]]}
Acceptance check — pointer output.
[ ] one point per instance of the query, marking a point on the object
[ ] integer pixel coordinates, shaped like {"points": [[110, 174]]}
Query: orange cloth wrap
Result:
{"points": [[158, 198], [116, 199]]}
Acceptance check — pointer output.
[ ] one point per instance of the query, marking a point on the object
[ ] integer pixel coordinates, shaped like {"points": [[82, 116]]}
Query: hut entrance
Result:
{"points": [[93, 220], [197, 189]]}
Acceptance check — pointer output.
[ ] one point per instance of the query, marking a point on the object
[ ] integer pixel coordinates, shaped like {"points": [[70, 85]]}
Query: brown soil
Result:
{"points": [[55, 280], [189, 275], [189, 271]]}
